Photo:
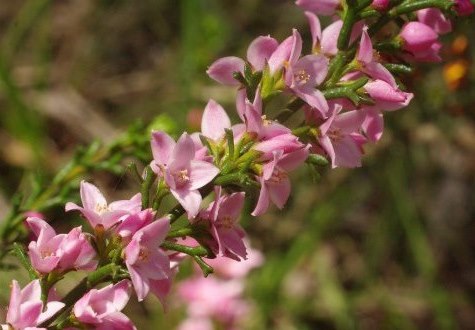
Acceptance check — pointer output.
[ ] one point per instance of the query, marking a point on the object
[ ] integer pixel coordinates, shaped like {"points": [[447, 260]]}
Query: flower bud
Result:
{"points": [[463, 7], [380, 5], [417, 37]]}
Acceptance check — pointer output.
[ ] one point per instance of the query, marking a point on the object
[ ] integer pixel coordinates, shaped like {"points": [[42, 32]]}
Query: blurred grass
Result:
{"points": [[387, 246]]}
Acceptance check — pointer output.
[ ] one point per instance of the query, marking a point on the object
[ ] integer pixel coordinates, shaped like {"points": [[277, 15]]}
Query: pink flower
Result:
{"points": [[320, 7], [435, 19], [304, 74], [275, 183], [101, 308], [98, 212], [133, 222], [146, 262], [340, 138], [214, 298], [421, 42], [258, 52], [59, 252], [387, 97], [368, 64], [183, 174], [25, 310], [230, 268], [255, 122], [223, 215]]}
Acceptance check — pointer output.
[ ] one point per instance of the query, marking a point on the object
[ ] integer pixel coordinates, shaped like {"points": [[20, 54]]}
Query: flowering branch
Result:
{"points": [[344, 87]]}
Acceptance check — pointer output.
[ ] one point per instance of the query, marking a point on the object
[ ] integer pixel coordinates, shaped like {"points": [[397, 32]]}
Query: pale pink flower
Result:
{"points": [[98, 212], [146, 262], [274, 180], [214, 298], [183, 174], [101, 308], [258, 52], [223, 215], [340, 137], [133, 222], [230, 268], [304, 74], [60, 252], [255, 122], [25, 311]]}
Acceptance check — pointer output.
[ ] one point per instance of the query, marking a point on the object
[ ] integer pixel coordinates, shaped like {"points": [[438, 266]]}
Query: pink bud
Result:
{"points": [[417, 37], [380, 5], [463, 7]]}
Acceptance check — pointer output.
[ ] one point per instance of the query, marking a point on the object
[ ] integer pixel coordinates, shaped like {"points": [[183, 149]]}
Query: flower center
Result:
{"points": [[226, 222], [144, 253], [278, 176], [181, 178], [301, 77], [46, 253], [335, 134], [101, 208]]}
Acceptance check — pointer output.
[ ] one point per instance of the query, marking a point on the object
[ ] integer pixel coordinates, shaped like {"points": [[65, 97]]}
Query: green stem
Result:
{"points": [[182, 232], [192, 251], [205, 268], [146, 185], [345, 33], [409, 7]]}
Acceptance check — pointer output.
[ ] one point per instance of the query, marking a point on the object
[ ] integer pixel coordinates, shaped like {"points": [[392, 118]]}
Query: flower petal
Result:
{"points": [[260, 50], [365, 51], [91, 196], [189, 199], [214, 121], [201, 173], [315, 28], [280, 192], [182, 154], [222, 70], [162, 147], [263, 201]]}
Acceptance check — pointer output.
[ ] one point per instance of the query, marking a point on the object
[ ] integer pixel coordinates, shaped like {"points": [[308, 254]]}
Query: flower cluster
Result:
{"points": [[337, 94]]}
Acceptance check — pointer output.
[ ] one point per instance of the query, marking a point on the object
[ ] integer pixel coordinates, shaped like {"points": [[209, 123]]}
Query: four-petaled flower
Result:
{"points": [[183, 174]]}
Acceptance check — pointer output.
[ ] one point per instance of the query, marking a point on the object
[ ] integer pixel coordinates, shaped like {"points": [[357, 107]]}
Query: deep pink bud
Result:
{"points": [[420, 41], [380, 5], [463, 7]]}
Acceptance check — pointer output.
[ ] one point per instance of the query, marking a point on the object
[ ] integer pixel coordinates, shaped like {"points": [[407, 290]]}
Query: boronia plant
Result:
{"points": [[342, 88]]}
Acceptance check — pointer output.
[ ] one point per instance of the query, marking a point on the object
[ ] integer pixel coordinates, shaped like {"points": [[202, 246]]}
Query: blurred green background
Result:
{"points": [[390, 245]]}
